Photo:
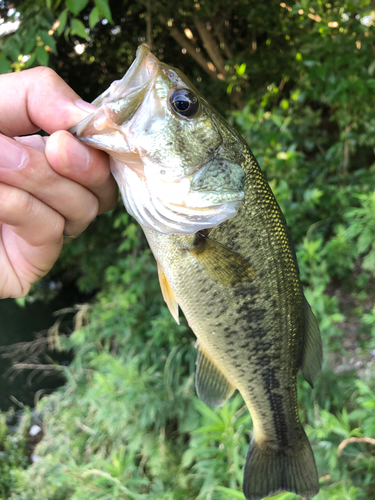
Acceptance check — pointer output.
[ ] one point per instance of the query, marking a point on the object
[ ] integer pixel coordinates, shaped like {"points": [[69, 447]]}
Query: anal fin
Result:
{"points": [[168, 294], [212, 386]]}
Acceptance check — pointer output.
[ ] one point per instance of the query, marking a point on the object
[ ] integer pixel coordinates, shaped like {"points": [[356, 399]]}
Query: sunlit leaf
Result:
{"points": [[94, 17], [31, 60], [63, 17], [104, 8], [48, 40], [230, 492], [42, 56], [78, 28], [75, 6], [241, 70]]}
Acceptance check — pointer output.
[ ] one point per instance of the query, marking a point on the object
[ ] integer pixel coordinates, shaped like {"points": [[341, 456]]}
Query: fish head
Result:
{"points": [[172, 156]]}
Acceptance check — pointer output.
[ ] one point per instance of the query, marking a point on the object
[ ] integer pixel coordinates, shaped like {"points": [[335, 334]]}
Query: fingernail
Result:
{"points": [[33, 141], [79, 156], [86, 106], [12, 154]]}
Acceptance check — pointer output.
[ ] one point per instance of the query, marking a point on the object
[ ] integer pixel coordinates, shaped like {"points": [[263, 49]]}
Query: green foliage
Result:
{"points": [[40, 22], [127, 424], [14, 453], [361, 229]]}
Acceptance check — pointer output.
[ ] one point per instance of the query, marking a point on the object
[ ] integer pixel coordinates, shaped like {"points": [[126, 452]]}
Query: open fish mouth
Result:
{"points": [[117, 105]]}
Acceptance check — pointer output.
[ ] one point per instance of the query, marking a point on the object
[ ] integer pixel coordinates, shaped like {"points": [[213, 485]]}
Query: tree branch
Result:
{"points": [[254, 44], [149, 25], [354, 440], [190, 49], [210, 45], [220, 35]]}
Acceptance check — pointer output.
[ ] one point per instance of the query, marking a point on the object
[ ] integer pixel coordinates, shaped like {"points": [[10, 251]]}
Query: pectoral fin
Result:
{"points": [[212, 386], [168, 294], [222, 264], [312, 353]]}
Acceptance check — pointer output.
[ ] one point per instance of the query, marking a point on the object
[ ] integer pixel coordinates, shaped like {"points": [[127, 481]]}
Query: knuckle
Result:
{"points": [[57, 229], [53, 228], [50, 178], [46, 73], [27, 204], [92, 211], [15, 201], [82, 217], [113, 203]]}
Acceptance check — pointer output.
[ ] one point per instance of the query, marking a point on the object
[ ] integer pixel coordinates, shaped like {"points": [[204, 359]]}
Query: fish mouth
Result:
{"points": [[118, 104], [140, 72]]}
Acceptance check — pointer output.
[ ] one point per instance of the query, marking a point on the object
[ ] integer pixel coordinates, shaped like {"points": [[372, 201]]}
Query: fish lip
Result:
{"points": [[144, 60], [144, 64], [142, 53]]}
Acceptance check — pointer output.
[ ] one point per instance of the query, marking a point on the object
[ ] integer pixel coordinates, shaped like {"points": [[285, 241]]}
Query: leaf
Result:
{"points": [[94, 17], [281, 155], [78, 28], [48, 40], [4, 64], [21, 301], [369, 262], [29, 39], [66, 34], [188, 458], [231, 492], [42, 56], [365, 240], [46, 20], [63, 17], [12, 49], [277, 120], [104, 9], [75, 6], [241, 70], [371, 68], [30, 44], [31, 60]]}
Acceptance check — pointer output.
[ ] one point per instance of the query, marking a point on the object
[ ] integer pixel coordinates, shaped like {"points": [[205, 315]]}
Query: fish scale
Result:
{"points": [[224, 255]]}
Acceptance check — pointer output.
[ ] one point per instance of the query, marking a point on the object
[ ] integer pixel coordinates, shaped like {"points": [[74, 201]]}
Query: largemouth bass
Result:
{"points": [[224, 256]]}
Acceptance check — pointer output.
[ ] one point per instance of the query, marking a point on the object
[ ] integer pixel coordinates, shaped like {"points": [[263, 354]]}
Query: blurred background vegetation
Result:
{"points": [[297, 79]]}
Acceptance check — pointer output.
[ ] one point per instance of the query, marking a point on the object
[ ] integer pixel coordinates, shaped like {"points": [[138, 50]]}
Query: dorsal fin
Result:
{"points": [[168, 294], [212, 386], [312, 353]]}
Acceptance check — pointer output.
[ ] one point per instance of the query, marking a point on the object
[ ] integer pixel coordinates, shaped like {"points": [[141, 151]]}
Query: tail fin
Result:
{"points": [[268, 471]]}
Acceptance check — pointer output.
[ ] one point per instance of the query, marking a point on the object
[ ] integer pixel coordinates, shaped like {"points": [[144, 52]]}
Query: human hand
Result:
{"points": [[48, 187]]}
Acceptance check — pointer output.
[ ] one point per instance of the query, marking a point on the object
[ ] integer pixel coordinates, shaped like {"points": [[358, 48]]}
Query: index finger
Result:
{"points": [[36, 99]]}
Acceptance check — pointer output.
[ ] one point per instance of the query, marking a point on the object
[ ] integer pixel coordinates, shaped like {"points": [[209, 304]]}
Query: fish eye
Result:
{"points": [[184, 103]]}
